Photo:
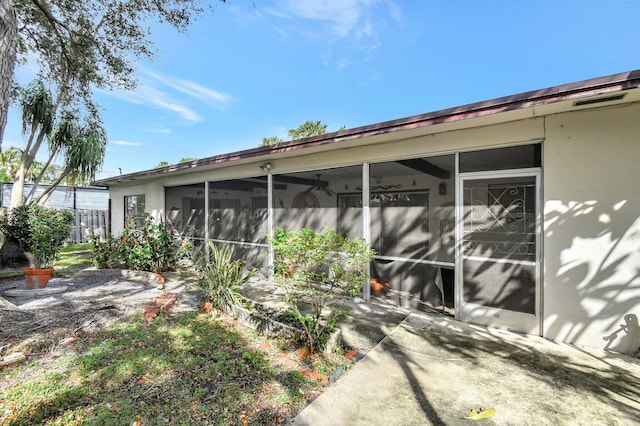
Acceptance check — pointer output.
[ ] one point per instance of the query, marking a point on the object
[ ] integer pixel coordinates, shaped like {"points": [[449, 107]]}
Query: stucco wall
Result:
{"points": [[592, 228], [591, 207], [154, 202]]}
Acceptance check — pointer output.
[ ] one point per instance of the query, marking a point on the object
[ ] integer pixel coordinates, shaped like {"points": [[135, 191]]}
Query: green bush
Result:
{"points": [[153, 247], [38, 230], [221, 276], [313, 267], [106, 254]]}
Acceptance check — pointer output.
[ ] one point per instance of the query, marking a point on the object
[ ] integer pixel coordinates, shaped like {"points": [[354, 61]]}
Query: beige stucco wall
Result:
{"points": [[591, 207], [154, 202], [592, 228]]}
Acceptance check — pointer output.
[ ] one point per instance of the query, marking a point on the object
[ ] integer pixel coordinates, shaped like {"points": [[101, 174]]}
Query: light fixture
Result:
{"points": [[442, 188], [266, 167]]}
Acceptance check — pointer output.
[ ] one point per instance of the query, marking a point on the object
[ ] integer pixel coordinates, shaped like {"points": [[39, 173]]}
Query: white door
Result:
{"points": [[498, 262]]}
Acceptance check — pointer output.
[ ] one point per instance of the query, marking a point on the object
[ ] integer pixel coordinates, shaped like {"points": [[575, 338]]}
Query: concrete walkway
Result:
{"points": [[434, 370]]}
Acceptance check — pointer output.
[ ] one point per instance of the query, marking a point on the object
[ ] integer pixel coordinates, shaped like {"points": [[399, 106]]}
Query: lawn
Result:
{"points": [[189, 368], [182, 368], [73, 257]]}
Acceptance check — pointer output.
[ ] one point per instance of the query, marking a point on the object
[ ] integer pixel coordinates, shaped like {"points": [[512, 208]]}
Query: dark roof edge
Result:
{"points": [[621, 81]]}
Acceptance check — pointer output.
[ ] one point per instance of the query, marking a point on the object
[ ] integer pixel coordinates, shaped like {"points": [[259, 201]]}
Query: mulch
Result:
{"points": [[93, 297]]}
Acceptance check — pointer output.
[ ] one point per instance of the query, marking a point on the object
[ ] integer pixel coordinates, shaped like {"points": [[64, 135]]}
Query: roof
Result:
{"points": [[608, 85]]}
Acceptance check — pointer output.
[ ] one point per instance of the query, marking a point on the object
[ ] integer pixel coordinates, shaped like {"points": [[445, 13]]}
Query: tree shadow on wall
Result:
{"points": [[606, 287]]}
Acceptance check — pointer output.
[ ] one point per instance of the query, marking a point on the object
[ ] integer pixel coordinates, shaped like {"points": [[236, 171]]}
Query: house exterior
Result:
{"points": [[521, 212]]}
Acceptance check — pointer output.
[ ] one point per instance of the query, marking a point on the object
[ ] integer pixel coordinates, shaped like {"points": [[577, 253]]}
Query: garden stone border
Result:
{"points": [[148, 277]]}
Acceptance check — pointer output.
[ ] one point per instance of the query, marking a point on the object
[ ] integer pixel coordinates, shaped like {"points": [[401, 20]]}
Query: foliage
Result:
{"points": [[38, 112], [80, 46], [166, 163], [313, 267], [308, 129], [271, 140], [39, 230], [152, 247], [106, 254], [221, 276], [10, 160], [180, 369], [305, 130], [82, 145], [83, 148]]}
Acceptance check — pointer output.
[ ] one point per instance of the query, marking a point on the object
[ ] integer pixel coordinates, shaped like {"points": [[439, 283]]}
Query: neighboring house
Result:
{"points": [[521, 212]]}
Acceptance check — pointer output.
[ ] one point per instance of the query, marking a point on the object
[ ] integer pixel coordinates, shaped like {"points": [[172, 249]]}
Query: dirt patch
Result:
{"points": [[35, 324]]}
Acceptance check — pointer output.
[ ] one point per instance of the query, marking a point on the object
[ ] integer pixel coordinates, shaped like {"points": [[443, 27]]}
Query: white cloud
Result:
{"points": [[162, 130], [126, 143], [147, 95], [168, 93], [355, 19], [195, 90]]}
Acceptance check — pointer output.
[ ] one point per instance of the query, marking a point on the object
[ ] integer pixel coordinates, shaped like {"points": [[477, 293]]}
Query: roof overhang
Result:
{"points": [[592, 93]]}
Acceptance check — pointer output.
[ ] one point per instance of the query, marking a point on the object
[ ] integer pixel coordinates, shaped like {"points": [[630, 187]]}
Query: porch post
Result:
{"points": [[366, 225], [270, 222], [459, 216], [206, 217]]}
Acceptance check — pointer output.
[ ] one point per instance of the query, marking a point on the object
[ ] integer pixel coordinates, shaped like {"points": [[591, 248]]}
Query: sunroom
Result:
{"points": [[518, 212], [405, 209]]}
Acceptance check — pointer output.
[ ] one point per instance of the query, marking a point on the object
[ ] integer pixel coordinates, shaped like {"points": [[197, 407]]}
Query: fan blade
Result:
{"points": [[328, 191]]}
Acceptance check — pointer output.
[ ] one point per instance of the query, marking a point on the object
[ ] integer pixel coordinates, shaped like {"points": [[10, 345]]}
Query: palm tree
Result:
{"points": [[65, 130], [308, 129], [83, 157], [38, 111], [10, 160], [271, 140]]}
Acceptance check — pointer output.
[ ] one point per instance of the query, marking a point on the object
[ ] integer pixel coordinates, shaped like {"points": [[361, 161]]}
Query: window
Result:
{"points": [[134, 207], [515, 157]]}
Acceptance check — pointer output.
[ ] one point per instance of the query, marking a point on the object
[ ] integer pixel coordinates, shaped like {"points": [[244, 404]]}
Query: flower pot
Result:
{"points": [[378, 287], [37, 278]]}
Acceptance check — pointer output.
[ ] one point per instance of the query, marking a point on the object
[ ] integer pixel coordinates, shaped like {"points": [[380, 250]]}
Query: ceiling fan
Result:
{"points": [[320, 185]]}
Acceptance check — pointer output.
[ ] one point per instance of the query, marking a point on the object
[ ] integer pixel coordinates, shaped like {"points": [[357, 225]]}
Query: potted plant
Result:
{"points": [[41, 232]]}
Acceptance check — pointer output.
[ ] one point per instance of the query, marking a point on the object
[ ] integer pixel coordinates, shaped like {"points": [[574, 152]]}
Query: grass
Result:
{"points": [[74, 257], [188, 368], [185, 369]]}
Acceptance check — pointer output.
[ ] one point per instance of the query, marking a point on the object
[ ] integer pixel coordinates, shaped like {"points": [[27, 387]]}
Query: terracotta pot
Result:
{"points": [[378, 287], [37, 278]]}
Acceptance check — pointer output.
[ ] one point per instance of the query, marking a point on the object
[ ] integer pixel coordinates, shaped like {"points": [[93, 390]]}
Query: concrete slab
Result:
{"points": [[434, 370]]}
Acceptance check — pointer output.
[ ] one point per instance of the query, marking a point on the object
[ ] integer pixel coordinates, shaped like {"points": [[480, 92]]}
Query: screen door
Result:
{"points": [[498, 236]]}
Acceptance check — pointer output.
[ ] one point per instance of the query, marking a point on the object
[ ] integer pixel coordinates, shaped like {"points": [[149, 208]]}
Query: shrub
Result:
{"points": [[38, 230], [106, 254], [153, 247], [313, 267], [221, 276]]}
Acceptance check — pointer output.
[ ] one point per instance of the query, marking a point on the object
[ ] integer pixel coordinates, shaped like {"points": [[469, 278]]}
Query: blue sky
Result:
{"points": [[256, 68]]}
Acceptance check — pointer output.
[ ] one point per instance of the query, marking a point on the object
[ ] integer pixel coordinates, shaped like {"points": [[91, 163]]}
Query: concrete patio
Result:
{"points": [[422, 368]]}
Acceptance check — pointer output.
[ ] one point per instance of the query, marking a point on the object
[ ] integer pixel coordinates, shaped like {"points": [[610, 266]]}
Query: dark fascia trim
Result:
{"points": [[607, 84]]}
